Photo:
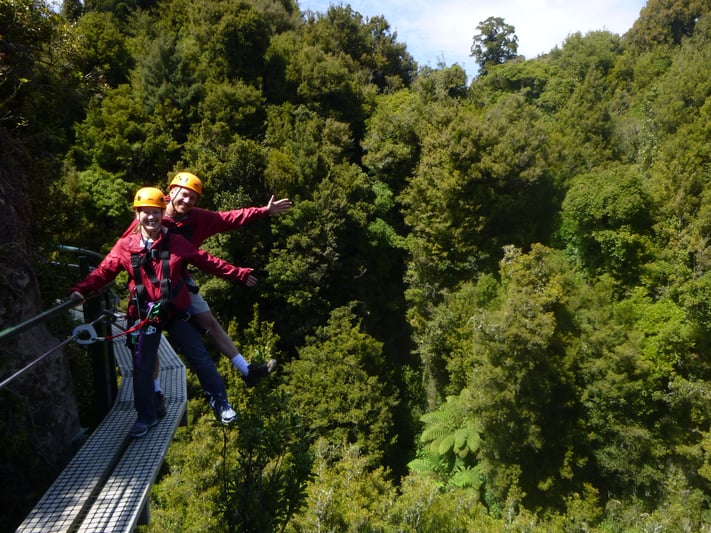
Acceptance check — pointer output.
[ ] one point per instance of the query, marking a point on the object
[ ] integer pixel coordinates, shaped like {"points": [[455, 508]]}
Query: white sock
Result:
{"points": [[241, 364], [156, 384]]}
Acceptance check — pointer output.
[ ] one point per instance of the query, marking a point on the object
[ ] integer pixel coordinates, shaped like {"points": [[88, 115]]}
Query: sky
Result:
{"points": [[437, 31]]}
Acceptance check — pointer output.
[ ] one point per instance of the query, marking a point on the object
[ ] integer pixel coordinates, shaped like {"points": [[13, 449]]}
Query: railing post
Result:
{"points": [[101, 353]]}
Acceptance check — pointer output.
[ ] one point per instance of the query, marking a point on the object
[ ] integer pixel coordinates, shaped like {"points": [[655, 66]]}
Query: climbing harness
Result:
{"points": [[151, 313], [142, 260]]}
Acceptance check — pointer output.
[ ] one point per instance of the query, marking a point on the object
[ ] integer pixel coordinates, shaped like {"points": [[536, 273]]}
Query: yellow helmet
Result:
{"points": [[187, 180], [149, 197]]}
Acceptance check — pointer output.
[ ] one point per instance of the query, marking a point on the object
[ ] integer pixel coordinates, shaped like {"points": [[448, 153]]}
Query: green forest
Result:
{"points": [[490, 302]]}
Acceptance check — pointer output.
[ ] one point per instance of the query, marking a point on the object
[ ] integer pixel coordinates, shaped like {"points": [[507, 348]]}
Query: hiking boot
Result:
{"points": [[160, 404], [258, 371], [140, 428], [223, 411]]}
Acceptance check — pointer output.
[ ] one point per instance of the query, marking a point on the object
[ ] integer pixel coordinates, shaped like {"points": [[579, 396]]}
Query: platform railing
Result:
{"points": [[96, 311]]}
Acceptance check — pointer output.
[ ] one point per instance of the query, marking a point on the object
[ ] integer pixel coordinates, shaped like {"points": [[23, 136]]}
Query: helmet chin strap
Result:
{"points": [[174, 210]]}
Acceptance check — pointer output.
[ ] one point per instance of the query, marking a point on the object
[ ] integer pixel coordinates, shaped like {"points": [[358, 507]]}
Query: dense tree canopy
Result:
{"points": [[489, 302]]}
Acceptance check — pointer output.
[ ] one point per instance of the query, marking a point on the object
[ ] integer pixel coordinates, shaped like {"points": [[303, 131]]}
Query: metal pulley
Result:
{"points": [[85, 334]]}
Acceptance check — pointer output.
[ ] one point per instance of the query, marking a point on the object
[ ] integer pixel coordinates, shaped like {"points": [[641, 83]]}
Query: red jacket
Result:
{"points": [[200, 223], [182, 252]]}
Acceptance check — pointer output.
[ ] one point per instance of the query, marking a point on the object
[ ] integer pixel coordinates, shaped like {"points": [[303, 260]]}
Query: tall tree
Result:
{"points": [[666, 22], [523, 393], [337, 388], [606, 221], [494, 43]]}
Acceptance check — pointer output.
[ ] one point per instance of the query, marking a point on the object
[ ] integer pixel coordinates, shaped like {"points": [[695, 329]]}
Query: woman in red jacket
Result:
{"points": [[159, 297]]}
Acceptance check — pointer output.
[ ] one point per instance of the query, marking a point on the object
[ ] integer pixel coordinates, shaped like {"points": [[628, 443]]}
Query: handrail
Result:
{"points": [[32, 363], [101, 354], [84, 251], [44, 315]]}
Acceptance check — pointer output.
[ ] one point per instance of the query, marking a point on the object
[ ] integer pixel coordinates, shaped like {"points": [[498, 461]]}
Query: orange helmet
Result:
{"points": [[187, 180], [149, 197]]}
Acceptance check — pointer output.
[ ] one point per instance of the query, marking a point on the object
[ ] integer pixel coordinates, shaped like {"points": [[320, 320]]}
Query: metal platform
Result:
{"points": [[106, 485]]}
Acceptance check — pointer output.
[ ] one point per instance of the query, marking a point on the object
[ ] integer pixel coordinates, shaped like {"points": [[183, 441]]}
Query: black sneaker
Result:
{"points": [[140, 428], [258, 371], [160, 404], [223, 411]]}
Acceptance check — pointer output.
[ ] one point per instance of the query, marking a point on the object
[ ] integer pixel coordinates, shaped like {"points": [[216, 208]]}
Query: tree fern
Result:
{"points": [[449, 444]]}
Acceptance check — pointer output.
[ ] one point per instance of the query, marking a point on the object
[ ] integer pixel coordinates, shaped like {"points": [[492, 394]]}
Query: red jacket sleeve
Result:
{"points": [[102, 275], [209, 223], [207, 262]]}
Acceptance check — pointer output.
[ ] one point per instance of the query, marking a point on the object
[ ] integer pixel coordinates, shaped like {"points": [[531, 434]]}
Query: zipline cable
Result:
{"points": [[62, 344]]}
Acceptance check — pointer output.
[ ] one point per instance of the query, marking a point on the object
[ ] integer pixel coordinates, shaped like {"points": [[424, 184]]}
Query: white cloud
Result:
{"points": [[443, 30]]}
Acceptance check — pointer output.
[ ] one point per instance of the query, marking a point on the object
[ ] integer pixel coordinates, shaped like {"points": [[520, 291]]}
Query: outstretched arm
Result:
{"points": [[101, 276], [221, 268]]}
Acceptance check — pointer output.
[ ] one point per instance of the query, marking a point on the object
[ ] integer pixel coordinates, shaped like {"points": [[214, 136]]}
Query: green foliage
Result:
{"points": [[494, 43], [71, 9], [606, 218], [324, 265], [102, 53], [168, 83], [596, 51], [422, 507], [533, 79], [682, 90], [252, 475], [336, 387], [666, 22], [524, 260], [345, 495], [450, 444], [524, 397], [391, 144], [232, 108], [238, 40], [118, 137], [295, 161], [367, 43], [482, 183], [441, 85]]}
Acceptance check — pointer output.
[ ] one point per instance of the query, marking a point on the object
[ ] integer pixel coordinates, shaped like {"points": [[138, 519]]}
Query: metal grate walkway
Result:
{"points": [[106, 485]]}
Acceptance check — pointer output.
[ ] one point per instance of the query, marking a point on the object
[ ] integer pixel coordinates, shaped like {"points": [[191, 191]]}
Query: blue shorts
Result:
{"points": [[197, 304]]}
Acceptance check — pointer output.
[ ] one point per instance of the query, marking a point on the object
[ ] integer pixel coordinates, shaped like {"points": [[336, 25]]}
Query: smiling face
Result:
{"points": [[150, 219], [182, 200]]}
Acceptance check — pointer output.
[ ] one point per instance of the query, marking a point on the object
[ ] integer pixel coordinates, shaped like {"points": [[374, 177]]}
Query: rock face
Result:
{"points": [[38, 411]]}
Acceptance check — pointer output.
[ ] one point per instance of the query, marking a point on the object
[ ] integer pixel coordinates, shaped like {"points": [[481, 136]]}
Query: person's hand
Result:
{"points": [[76, 295], [279, 206]]}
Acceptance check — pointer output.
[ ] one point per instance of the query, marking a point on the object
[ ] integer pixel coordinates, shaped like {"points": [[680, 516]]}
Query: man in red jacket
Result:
{"points": [[196, 224], [159, 297]]}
